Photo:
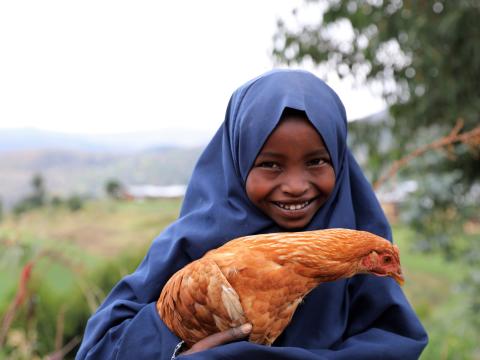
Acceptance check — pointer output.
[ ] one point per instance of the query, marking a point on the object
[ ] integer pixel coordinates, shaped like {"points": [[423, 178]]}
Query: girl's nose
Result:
{"points": [[294, 185]]}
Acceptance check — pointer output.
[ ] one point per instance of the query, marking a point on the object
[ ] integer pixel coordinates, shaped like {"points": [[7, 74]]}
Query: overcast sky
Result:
{"points": [[104, 66]]}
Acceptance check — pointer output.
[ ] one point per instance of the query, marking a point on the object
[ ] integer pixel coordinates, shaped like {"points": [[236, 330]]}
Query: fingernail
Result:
{"points": [[246, 328]]}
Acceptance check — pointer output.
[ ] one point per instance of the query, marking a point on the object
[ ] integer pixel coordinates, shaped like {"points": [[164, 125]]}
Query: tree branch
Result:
{"points": [[470, 138]]}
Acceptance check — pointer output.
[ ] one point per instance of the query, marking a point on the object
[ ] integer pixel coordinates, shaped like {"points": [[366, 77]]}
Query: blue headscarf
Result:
{"points": [[364, 317]]}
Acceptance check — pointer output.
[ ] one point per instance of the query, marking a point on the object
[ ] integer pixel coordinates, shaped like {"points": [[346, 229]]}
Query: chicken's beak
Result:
{"points": [[398, 277]]}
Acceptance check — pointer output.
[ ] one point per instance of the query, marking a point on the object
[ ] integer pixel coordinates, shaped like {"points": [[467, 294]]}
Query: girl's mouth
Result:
{"points": [[293, 206]]}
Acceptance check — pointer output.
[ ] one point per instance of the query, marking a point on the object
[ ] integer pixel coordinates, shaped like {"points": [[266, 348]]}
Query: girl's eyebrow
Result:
{"points": [[319, 152]]}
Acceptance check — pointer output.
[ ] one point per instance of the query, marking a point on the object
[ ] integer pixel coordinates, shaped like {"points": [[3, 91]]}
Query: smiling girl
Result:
{"points": [[279, 162], [292, 176]]}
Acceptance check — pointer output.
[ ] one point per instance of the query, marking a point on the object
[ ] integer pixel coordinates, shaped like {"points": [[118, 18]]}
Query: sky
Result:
{"points": [[108, 66]]}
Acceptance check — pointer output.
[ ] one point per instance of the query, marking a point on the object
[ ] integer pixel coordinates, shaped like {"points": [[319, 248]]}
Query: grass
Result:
{"points": [[78, 241], [434, 287], [101, 228], [105, 231]]}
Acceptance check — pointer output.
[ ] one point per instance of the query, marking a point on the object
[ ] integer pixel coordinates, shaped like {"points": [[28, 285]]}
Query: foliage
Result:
{"points": [[114, 189], [433, 286], [423, 57], [38, 185], [36, 199], [426, 48], [56, 201], [53, 315], [40, 198], [74, 203], [371, 143]]}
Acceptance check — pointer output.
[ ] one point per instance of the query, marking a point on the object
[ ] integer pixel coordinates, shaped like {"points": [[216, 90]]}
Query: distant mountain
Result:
{"points": [[31, 139], [69, 171], [36, 139]]}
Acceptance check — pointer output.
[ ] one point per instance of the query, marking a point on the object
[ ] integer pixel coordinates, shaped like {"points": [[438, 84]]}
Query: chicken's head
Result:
{"points": [[384, 262]]}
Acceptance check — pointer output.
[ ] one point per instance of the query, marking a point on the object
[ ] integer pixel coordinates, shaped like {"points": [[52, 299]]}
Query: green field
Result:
{"points": [[80, 255]]}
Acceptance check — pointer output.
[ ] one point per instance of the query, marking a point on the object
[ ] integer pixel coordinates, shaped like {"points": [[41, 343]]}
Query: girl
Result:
{"points": [[279, 162]]}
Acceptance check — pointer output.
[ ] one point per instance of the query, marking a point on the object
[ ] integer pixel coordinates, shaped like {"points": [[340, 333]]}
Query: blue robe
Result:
{"points": [[365, 317]]}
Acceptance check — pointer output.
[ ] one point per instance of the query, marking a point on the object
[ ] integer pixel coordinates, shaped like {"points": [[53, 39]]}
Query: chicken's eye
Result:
{"points": [[387, 260]]}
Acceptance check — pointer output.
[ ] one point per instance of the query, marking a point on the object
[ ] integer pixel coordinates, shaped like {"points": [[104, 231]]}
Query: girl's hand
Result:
{"points": [[220, 338]]}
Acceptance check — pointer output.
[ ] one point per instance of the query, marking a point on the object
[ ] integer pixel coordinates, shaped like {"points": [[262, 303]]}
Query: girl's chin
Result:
{"points": [[293, 224]]}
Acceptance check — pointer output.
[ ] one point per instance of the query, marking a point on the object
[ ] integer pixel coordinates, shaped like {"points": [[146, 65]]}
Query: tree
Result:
{"points": [[74, 203], [114, 189], [425, 58], [38, 186], [36, 199]]}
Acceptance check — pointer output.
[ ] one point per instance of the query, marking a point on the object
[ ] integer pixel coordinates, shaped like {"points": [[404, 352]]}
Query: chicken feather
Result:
{"points": [[262, 279]]}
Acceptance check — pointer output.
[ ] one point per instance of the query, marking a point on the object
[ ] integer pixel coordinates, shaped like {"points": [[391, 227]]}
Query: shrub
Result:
{"points": [[50, 308], [74, 203]]}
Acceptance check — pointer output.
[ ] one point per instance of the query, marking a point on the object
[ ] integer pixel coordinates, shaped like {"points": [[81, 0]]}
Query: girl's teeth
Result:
{"points": [[293, 206]]}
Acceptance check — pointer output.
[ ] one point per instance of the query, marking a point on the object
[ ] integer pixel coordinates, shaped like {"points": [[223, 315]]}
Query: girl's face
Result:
{"points": [[292, 175]]}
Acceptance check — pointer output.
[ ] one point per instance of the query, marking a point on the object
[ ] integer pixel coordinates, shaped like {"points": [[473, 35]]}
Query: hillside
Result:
{"points": [[17, 139], [85, 173]]}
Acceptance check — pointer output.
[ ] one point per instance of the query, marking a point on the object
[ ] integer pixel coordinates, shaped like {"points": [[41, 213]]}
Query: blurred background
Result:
{"points": [[106, 105]]}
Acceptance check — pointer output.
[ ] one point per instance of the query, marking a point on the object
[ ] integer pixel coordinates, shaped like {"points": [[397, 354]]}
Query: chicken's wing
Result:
{"points": [[208, 303]]}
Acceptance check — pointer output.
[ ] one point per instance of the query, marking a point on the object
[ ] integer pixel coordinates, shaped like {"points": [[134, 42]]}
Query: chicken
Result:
{"points": [[261, 279]]}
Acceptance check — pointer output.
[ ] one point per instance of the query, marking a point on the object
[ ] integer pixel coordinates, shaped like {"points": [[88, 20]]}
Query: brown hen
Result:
{"points": [[261, 279]]}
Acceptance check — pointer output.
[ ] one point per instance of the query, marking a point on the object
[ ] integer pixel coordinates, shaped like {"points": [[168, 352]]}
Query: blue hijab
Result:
{"points": [[365, 317]]}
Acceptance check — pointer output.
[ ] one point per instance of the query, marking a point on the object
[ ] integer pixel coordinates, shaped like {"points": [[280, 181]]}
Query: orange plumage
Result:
{"points": [[261, 279]]}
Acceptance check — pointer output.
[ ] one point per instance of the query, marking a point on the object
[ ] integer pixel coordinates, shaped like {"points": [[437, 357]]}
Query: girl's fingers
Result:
{"points": [[220, 338]]}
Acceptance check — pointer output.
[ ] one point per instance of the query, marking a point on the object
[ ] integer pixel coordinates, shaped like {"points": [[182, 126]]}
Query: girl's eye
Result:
{"points": [[316, 162], [269, 165]]}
